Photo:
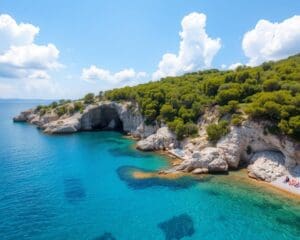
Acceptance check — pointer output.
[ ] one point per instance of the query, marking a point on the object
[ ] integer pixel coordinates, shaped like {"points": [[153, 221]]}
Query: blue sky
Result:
{"points": [[118, 35]]}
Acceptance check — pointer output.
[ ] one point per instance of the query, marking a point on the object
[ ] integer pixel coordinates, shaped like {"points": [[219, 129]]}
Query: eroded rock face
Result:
{"points": [[105, 115], [242, 143], [23, 116], [162, 139], [207, 160], [267, 166], [68, 125]]}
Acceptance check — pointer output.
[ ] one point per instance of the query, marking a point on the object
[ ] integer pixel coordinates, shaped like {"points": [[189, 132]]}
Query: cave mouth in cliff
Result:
{"points": [[107, 119]]}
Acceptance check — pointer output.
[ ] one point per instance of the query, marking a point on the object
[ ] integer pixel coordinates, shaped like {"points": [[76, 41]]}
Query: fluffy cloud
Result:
{"points": [[196, 51], [20, 57], [127, 76], [13, 34], [272, 41]]}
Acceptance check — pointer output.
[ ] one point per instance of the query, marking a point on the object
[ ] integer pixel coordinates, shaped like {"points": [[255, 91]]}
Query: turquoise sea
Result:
{"points": [[79, 186]]}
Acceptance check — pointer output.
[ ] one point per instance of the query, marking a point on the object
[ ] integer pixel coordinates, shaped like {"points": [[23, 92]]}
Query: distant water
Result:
{"points": [[79, 187]]}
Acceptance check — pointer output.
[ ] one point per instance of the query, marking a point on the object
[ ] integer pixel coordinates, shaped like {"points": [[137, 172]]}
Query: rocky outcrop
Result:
{"points": [[267, 166], [67, 125], [243, 144], [208, 160], [23, 116], [106, 115], [161, 140]]}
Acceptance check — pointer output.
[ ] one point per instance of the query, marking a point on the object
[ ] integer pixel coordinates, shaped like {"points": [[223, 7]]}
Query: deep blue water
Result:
{"points": [[79, 186]]}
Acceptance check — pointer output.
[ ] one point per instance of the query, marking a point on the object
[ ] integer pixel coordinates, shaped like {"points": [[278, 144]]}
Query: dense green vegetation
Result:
{"points": [[267, 92]]}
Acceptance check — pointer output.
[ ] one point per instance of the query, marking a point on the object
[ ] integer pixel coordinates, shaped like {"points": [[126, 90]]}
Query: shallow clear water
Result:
{"points": [[78, 187]]}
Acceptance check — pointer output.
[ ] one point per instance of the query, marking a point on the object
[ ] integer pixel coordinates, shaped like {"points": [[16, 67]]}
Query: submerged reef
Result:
{"points": [[74, 190], [138, 178], [178, 227]]}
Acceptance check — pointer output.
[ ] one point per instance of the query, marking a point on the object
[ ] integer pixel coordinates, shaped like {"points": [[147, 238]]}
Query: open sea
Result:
{"points": [[80, 186]]}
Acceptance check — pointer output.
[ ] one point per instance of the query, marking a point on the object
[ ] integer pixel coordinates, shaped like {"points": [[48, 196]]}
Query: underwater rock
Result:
{"points": [[178, 227], [105, 236], [126, 174], [74, 190]]}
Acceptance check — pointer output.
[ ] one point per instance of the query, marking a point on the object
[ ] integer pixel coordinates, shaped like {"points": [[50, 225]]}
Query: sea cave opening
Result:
{"points": [[106, 118]]}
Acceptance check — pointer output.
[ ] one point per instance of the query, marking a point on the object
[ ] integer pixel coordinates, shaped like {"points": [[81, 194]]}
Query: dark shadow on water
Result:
{"points": [[291, 221], [178, 227], [115, 141], [266, 205], [212, 192], [127, 152], [74, 190], [105, 236], [222, 218], [125, 173]]}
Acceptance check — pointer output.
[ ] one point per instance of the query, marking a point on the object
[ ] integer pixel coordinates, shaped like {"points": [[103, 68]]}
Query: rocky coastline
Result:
{"points": [[267, 157]]}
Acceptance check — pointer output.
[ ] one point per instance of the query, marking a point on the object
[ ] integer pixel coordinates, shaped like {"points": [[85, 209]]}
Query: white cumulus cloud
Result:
{"points": [[13, 34], [20, 57], [196, 51], [272, 41], [127, 76]]}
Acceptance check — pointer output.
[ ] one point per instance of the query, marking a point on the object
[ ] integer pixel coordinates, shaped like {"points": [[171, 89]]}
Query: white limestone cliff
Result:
{"points": [[267, 156]]}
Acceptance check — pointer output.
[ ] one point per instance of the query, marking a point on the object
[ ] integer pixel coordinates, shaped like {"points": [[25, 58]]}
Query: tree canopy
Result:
{"points": [[270, 92]]}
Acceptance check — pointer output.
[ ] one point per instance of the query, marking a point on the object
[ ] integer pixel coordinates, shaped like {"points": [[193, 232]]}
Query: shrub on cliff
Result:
{"points": [[182, 129], [78, 106], [216, 131], [89, 98], [54, 104], [61, 110]]}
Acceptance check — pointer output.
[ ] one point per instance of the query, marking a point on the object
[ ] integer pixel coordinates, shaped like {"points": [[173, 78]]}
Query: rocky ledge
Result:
{"points": [[266, 156], [105, 115]]}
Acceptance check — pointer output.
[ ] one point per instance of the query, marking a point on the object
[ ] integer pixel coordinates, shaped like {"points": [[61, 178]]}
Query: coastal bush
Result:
{"points": [[89, 98], [54, 104], [236, 119], [226, 95], [39, 107], [191, 129], [43, 111], [63, 101], [168, 112], [61, 110], [182, 129], [271, 85], [78, 106], [230, 108], [216, 131]]}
